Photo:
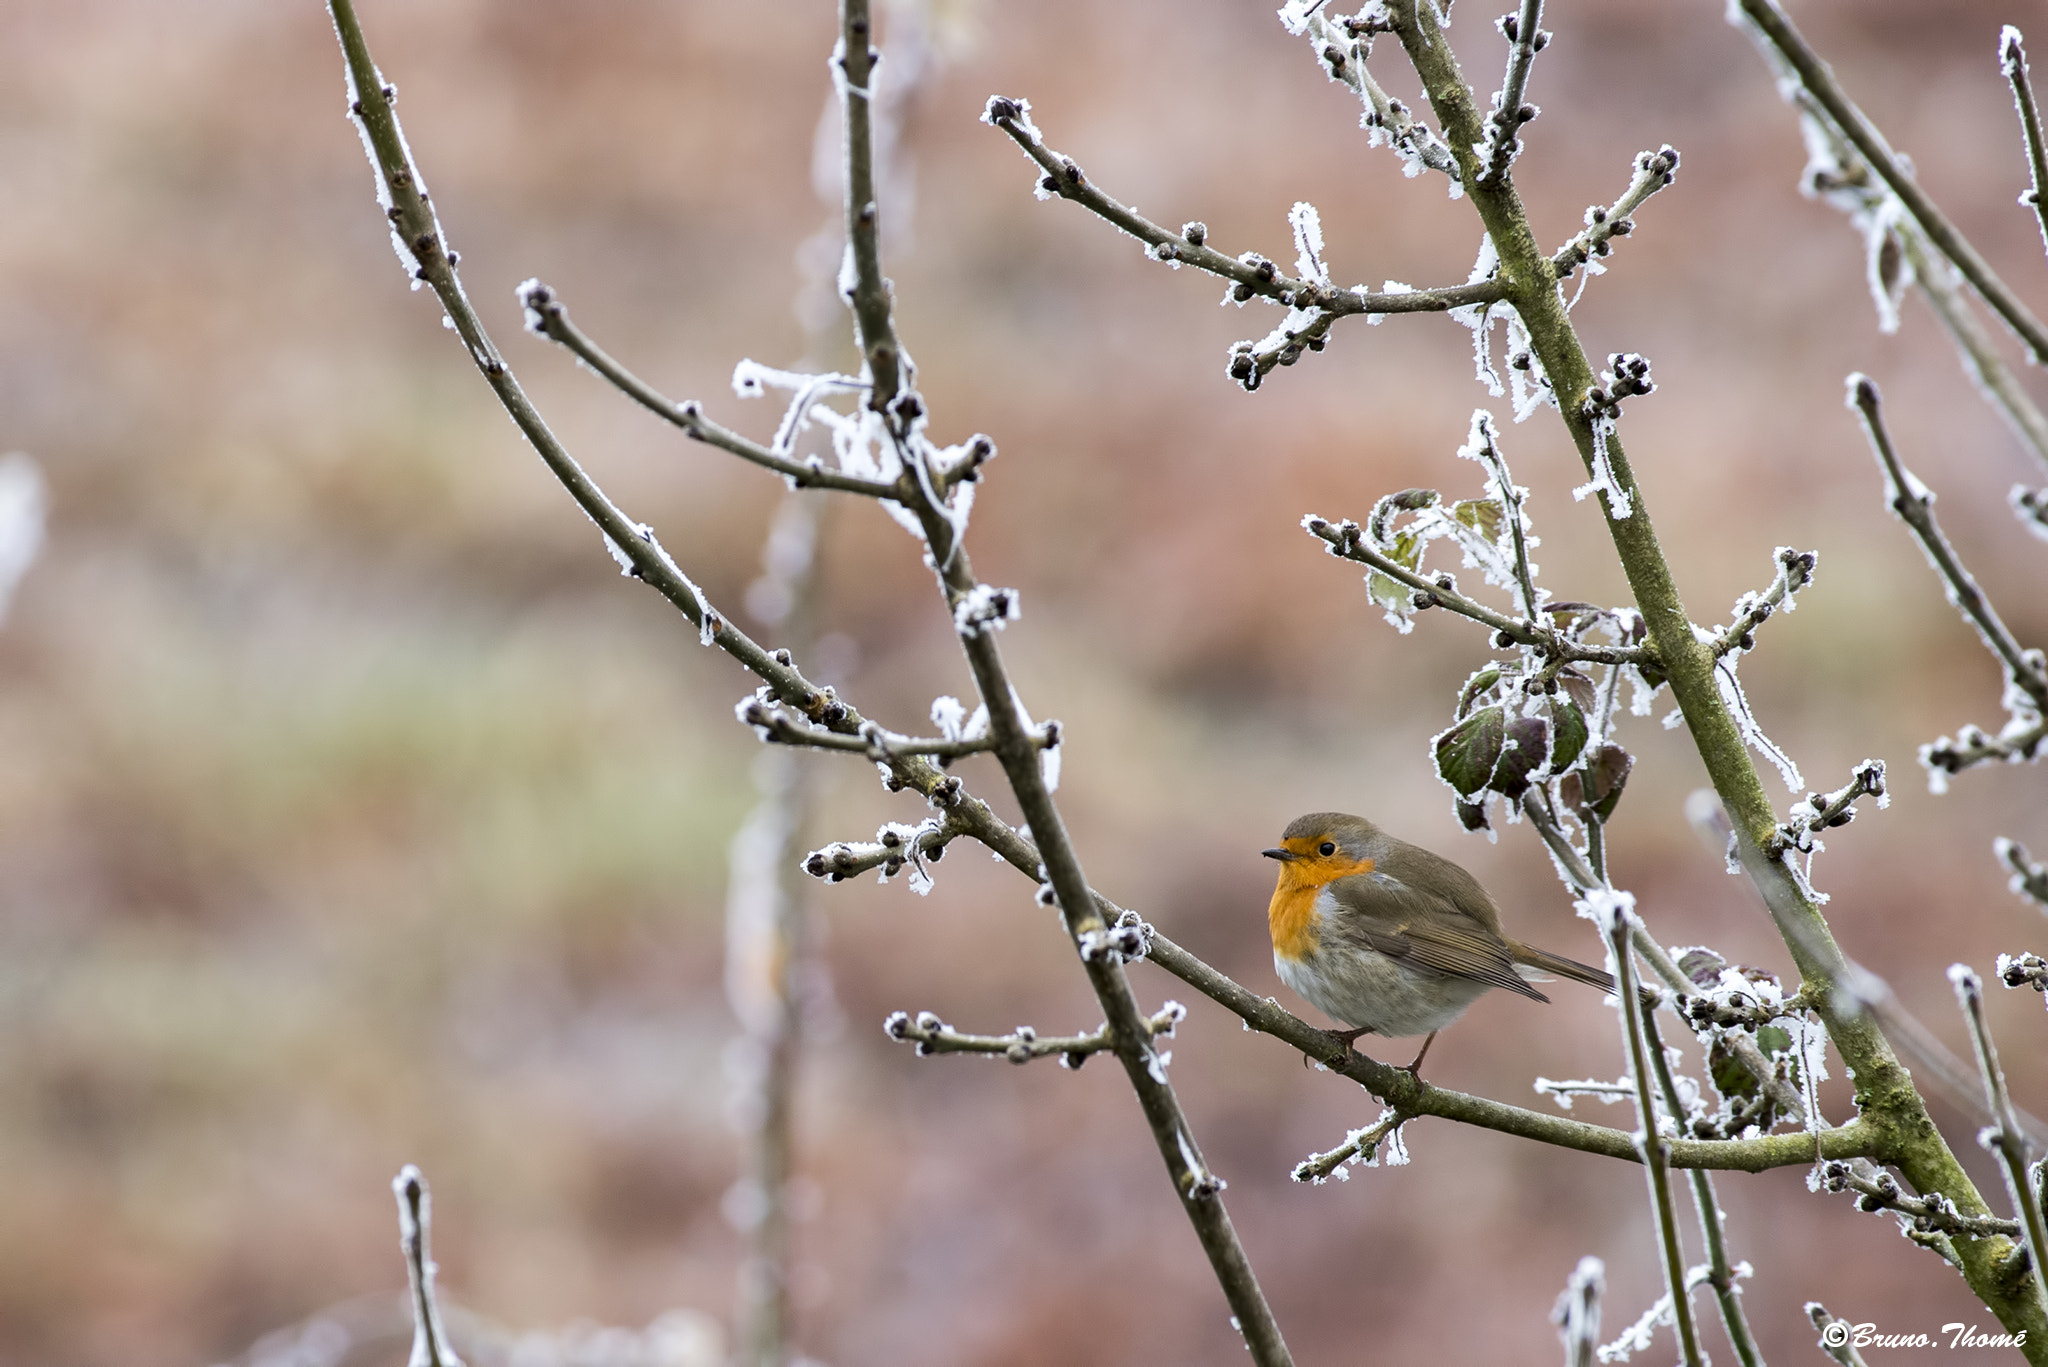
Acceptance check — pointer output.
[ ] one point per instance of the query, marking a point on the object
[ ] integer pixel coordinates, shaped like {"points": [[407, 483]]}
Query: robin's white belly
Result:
{"points": [[1365, 989]]}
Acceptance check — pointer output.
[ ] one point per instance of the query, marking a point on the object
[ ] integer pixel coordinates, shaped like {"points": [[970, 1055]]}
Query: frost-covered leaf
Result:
{"points": [[1482, 515], [1468, 753]]}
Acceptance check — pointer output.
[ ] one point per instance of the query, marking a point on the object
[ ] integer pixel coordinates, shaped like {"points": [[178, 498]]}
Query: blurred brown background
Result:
{"points": [[355, 811]]}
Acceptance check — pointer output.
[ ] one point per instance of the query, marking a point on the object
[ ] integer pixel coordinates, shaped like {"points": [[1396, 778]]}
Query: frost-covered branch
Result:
{"points": [[1721, 1274], [1346, 540], [774, 724], [2029, 880], [1653, 171], [1823, 812], [415, 1229], [1813, 76], [546, 316], [1649, 1138], [1795, 572], [2005, 1136], [2012, 59], [2026, 671], [1878, 1190], [1343, 48], [1525, 40], [933, 1036], [1360, 1145], [1834, 1335], [1412, 1097], [1314, 303], [1577, 1315]]}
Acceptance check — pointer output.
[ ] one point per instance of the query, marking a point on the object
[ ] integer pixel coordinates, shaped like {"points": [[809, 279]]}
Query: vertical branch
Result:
{"points": [[1577, 1315], [2005, 1136], [1650, 1140], [1720, 1273], [415, 1218], [1016, 745], [868, 293], [1525, 39], [769, 963], [2012, 59]]}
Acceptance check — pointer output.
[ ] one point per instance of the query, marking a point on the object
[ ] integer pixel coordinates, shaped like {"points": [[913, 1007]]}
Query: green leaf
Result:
{"points": [[1467, 753], [1568, 731], [1528, 753], [1480, 681], [1482, 515]]}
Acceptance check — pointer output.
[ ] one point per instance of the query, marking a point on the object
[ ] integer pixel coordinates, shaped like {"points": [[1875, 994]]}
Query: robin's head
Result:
{"points": [[1324, 846]]}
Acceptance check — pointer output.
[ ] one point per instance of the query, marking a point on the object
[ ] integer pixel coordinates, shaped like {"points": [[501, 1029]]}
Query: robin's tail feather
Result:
{"points": [[1561, 966], [1547, 962]]}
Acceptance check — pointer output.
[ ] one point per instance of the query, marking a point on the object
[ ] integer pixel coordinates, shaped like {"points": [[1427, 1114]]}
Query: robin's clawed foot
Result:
{"points": [[1348, 1037]]}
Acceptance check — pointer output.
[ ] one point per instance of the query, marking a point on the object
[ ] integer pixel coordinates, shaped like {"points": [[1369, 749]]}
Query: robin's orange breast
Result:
{"points": [[1291, 915]]}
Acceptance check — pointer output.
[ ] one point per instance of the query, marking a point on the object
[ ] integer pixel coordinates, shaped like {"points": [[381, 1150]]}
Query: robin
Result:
{"points": [[1389, 938]]}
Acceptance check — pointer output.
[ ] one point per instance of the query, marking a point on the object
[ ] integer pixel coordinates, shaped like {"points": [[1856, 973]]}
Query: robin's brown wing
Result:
{"points": [[1422, 931]]}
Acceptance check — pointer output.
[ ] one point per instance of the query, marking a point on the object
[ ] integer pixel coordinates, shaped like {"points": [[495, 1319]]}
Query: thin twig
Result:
{"points": [[1524, 39], [1834, 1335], [1879, 1190], [2005, 1137], [1824, 811], [1653, 171], [1795, 572], [1720, 1273], [1016, 748], [1347, 541], [1318, 1167], [1914, 504], [1649, 1138], [2029, 880], [933, 1036], [1577, 1315], [2012, 59], [853, 71], [1257, 276], [549, 317], [1817, 79], [415, 1229]]}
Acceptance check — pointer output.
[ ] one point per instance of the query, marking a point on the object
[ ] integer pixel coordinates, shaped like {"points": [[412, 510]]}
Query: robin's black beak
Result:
{"points": [[1282, 855]]}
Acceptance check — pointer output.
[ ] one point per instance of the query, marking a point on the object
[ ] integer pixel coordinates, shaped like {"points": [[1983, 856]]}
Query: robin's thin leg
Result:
{"points": [[1414, 1069]]}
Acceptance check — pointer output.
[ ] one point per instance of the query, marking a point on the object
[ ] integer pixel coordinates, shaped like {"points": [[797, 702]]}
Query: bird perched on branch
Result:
{"points": [[1389, 938]]}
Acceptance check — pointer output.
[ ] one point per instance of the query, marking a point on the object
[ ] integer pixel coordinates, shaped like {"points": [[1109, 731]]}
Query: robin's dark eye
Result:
{"points": [[1327, 848]]}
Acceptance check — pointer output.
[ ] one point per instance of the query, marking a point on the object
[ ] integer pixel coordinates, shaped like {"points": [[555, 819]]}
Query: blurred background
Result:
{"points": [[355, 812]]}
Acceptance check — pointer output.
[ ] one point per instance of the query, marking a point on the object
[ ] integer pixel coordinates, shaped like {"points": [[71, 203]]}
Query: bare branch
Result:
{"points": [[1834, 1335], [1577, 1315], [2029, 880], [1826, 812], [1346, 540], [1509, 113], [548, 317], [853, 71], [1649, 1138], [1653, 171], [1814, 76], [933, 1036], [1879, 1190], [1913, 501], [2005, 1137], [2012, 60], [415, 1228], [1795, 572], [1320, 1167], [1316, 306]]}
